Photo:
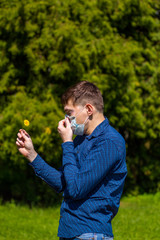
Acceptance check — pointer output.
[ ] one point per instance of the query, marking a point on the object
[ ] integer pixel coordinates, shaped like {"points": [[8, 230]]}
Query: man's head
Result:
{"points": [[82, 93], [85, 102]]}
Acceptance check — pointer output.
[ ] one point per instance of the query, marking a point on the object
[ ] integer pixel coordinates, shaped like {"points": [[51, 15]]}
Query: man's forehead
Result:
{"points": [[68, 105], [68, 108]]}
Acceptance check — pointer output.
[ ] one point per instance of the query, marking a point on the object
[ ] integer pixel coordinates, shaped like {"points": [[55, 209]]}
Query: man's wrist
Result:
{"points": [[69, 140], [32, 156]]}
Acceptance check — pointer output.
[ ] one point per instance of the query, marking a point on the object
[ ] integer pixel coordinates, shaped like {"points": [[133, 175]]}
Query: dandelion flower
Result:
{"points": [[48, 130], [26, 122]]}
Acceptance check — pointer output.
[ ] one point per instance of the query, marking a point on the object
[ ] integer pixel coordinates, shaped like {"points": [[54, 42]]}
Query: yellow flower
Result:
{"points": [[147, 172], [147, 145], [26, 122], [48, 130], [137, 84]]}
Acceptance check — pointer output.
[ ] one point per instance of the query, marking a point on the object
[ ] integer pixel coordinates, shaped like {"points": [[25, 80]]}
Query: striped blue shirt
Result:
{"points": [[91, 178]]}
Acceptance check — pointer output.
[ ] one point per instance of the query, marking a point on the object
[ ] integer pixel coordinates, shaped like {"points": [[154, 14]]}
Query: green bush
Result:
{"points": [[46, 46]]}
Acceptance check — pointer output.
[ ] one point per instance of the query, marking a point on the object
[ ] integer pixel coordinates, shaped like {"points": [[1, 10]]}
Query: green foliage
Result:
{"points": [[46, 46]]}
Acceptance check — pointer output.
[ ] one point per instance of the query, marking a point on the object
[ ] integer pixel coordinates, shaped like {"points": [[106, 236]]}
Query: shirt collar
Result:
{"points": [[99, 129]]}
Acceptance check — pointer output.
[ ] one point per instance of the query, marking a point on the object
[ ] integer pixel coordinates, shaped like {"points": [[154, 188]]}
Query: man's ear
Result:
{"points": [[89, 108]]}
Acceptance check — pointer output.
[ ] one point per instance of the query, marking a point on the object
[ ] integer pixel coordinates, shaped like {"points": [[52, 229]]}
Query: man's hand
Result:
{"points": [[65, 131], [25, 145]]}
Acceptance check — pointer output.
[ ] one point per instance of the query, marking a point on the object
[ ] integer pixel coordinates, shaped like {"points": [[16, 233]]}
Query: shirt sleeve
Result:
{"points": [[49, 174], [97, 164]]}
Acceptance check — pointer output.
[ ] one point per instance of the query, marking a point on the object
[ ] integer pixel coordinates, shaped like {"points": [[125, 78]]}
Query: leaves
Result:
{"points": [[46, 46]]}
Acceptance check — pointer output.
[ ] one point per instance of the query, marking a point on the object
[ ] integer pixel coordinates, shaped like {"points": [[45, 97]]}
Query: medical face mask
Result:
{"points": [[78, 129]]}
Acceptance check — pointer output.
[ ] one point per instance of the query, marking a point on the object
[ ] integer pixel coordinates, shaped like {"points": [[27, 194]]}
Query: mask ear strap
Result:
{"points": [[79, 112], [86, 120]]}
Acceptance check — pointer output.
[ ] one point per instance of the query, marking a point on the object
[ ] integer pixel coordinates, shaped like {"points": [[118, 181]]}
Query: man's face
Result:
{"points": [[77, 111]]}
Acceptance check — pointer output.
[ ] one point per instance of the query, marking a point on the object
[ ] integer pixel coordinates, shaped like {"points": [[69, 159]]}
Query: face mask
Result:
{"points": [[78, 129]]}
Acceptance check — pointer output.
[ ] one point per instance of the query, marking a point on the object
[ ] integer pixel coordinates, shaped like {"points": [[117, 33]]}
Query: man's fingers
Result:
{"points": [[19, 135], [67, 122], [25, 136], [61, 123], [21, 143], [26, 133], [18, 145]]}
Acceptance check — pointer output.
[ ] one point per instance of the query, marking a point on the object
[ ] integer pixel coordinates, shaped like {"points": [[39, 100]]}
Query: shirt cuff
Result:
{"points": [[68, 153], [37, 162], [67, 147]]}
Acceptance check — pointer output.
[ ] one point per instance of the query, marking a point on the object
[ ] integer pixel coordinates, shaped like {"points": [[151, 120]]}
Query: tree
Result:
{"points": [[46, 46]]}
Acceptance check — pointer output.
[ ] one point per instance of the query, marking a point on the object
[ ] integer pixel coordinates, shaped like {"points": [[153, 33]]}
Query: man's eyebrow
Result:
{"points": [[68, 110]]}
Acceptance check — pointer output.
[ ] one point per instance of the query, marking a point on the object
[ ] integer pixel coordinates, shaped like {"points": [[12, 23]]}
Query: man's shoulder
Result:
{"points": [[111, 134]]}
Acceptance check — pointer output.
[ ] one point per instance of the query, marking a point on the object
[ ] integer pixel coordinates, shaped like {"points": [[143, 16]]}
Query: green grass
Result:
{"points": [[138, 219], [22, 223]]}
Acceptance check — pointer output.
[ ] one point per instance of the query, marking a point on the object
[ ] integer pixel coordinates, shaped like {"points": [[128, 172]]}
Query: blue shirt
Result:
{"points": [[91, 178]]}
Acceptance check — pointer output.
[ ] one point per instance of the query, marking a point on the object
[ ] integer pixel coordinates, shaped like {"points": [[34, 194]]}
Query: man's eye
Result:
{"points": [[69, 113], [71, 118]]}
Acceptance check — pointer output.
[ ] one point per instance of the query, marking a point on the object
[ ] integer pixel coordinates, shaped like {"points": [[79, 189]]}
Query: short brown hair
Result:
{"points": [[82, 93]]}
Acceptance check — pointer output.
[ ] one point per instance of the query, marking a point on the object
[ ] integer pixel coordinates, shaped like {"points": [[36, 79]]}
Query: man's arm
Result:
{"points": [[49, 174]]}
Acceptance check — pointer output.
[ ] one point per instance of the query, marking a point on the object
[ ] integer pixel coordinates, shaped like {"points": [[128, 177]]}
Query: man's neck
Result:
{"points": [[96, 120]]}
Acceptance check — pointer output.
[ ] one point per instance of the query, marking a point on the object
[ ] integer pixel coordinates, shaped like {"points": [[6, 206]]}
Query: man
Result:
{"points": [[93, 165]]}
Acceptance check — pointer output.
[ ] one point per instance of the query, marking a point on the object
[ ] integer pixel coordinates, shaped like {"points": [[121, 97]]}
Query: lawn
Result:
{"points": [[138, 219]]}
